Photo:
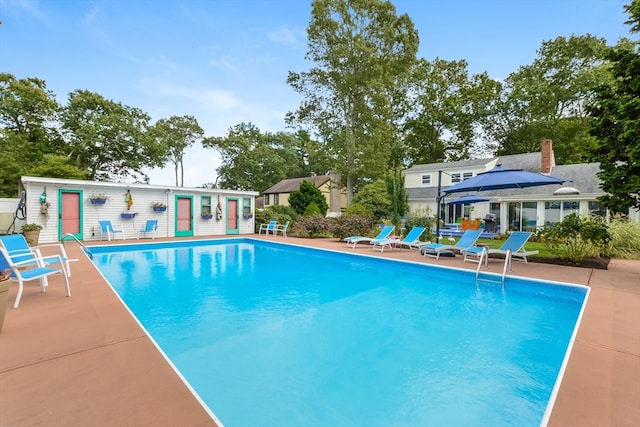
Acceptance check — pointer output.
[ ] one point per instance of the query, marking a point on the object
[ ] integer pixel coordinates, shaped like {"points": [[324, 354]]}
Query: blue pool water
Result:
{"points": [[278, 335]]}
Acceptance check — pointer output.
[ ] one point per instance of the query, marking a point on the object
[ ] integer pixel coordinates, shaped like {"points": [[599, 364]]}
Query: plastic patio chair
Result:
{"points": [[29, 270], [106, 228]]}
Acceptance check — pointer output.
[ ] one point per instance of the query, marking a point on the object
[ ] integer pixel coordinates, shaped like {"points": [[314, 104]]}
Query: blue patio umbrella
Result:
{"points": [[501, 178], [468, 199], [498, 178]]}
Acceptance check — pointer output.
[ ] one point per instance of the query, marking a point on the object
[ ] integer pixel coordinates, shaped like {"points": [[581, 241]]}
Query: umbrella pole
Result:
{"points": [[438, 199]]}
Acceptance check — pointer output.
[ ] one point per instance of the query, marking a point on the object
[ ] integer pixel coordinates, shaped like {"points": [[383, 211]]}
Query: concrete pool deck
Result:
{"points": [[84, 360]]}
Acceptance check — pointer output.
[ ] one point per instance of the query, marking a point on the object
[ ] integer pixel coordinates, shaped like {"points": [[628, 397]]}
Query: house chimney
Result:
{"points": [[548, 160]]}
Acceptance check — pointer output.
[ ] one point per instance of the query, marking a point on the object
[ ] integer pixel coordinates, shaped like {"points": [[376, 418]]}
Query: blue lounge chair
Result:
{"points": [[515, 242], [282, 229], [19, 250], [384, 233], [106, 228], [467, 240], [411, 240], [31, 269], [269, 227], [150, 228]]}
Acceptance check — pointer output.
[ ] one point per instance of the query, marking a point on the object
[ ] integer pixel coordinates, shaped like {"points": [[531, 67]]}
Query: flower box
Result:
{"points": [[206, 216], [98, 201], [127, 215], [159, 208]]}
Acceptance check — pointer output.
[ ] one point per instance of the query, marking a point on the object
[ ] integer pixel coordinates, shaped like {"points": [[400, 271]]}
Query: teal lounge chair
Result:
{"points": [[19, 250], [150, 229], [515, 242], [467, 240], [31, 269], [269, 227], [411, 240], [384, 233], [282, 229], [107, 229]]}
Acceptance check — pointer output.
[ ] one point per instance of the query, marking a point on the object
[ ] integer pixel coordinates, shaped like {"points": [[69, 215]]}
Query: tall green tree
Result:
{"points": [[110, 140], [306, 195], [28, 114], [252, 160], [397, 195], [448, 107], [363, 53], [175, 135], [616, 124], [546, 100]]}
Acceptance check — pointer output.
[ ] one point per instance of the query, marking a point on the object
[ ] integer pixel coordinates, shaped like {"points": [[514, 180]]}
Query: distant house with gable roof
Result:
{"points": [[522, 209], [336, 196]]}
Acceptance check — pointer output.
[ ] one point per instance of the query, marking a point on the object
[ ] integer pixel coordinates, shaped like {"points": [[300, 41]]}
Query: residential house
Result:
{"points": [[336, 196], [515, 209]]}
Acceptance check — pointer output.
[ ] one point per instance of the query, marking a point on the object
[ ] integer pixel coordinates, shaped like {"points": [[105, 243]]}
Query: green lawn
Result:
{"points": [[543, 250]]}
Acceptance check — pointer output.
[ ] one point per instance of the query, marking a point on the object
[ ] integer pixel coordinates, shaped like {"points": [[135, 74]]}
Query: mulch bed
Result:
{"points": [[600, 263]]}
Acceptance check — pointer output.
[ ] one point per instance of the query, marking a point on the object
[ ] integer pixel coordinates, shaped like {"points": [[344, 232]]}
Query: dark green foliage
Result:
{"points": [[616, 125], [283, 210], [421, 219], [281, 214], [576, 237], [351, 225], [312, 226], [358, 209], [312, 209], [398, 196], [308, 192], [375, 198]]}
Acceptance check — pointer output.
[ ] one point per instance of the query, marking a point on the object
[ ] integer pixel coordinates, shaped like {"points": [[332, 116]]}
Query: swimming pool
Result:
{"points": [[274, 334]]}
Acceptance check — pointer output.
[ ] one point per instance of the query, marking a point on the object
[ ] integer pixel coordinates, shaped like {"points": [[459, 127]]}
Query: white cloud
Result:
{"points": [[288, 36]]}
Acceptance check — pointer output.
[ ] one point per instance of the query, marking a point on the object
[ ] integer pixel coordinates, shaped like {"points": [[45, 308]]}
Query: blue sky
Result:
{"points": [[226, 61]]}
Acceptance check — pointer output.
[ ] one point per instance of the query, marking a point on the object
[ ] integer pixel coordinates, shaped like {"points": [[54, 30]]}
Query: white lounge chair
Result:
{"points": [[150, 229], [282, 229], [467, 240], [384, 233], [31, 269], [19, 250], [268, 227], [411, 240], [515, 242], [106, 228]]}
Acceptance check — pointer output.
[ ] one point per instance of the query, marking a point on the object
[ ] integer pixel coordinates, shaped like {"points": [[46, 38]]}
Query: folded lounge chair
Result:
{"points": [[384, 233], [411, 240], [467, 240], [19, 250], [515, 242]]}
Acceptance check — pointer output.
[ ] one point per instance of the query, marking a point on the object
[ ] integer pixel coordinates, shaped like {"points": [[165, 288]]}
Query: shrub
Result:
{"points": [[268, 214], [576, 237], [351, 225], [375, 198], [308, 193], [312, 226], [421, 218], [358, 209], [312, 209], [625, 240]]}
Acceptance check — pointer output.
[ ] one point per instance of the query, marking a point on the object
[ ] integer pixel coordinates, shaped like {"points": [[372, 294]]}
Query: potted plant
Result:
{"points": [[31, 233], [159, 206], [206, 214], [98, 199], [128, 215]]}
